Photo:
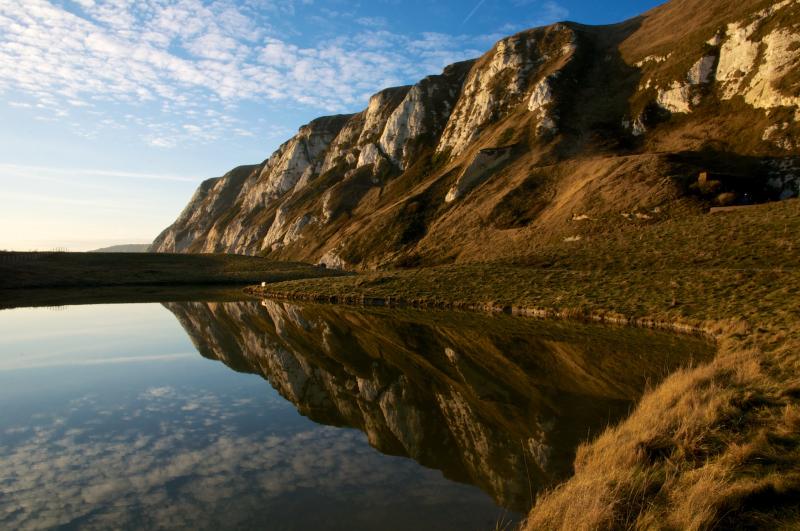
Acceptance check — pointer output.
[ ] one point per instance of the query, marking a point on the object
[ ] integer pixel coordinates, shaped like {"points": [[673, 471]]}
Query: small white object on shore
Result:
{"points": [[263, 284]]}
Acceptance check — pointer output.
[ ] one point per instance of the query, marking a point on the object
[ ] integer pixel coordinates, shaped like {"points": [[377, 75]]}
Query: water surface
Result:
{"points": [[150, 415]]}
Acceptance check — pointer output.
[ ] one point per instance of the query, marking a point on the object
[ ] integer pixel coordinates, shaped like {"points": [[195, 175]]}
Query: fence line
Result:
{"points": [[15, 257]]}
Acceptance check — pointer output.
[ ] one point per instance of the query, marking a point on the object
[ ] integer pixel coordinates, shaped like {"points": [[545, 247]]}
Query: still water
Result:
{"points": [[271, 415]]}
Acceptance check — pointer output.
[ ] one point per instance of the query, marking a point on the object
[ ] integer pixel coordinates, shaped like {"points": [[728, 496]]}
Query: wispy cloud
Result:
{"points": [[186, 56], [18, 170], [474, 10], [186, 457], [58, 200], [22, 363], [542, 12], [550, 12]]}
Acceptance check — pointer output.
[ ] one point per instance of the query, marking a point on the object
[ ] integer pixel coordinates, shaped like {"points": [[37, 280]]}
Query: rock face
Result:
{"points": [[501, 79], [755, 58], [416, 177], [214, 199], [424, 112], [481, 167], [425, 388]]}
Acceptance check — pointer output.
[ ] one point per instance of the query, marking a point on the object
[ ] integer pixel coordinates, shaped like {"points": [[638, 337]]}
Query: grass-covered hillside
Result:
{"points": [[61, 270], [125, 248]]}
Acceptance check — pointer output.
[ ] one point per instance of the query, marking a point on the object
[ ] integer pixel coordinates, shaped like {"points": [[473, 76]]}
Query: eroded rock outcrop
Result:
{"points": [[755, 58], [750, 59], [516, 67], [481, 167], [213, 199], [424, 112]]}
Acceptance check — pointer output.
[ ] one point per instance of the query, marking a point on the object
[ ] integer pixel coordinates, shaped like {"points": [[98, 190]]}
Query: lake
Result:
{"points": [[274, 415]]}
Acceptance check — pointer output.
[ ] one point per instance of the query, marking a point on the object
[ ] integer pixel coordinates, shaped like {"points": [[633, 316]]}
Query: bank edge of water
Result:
{"points": [[708, 329]]}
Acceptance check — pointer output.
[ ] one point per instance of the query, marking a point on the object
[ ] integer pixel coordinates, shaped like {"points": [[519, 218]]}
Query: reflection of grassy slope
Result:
{"points": [[716, 444], [49, 270], [76, 296], [513, 372], [591, 360]]}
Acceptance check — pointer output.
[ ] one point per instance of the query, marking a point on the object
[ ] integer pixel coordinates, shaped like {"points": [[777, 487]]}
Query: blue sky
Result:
{"points": [[112, 111]]}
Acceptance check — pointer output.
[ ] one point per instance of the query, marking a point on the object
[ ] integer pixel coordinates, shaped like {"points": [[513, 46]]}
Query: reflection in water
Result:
{"points": [[498, 402], [110, 420]]}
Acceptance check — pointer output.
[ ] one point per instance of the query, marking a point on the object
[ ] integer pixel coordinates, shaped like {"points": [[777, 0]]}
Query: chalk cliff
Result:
{"points": [[496, 155]]}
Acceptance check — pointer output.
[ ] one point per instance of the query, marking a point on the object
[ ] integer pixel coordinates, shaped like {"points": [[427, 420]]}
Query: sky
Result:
{"points": [[113, 111]]}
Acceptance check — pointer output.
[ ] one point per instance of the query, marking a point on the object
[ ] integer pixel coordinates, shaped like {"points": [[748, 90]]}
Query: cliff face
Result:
{"points": [[498, 155], [429, 386]]}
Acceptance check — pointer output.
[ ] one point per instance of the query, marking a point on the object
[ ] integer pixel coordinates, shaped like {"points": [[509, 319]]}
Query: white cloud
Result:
{"points": [[189, 54], [542, 12], [32, 172], [372, 22], [183, 458]]}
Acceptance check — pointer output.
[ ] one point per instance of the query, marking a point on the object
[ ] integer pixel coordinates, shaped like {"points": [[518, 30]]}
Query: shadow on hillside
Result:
{"points": [[718, 175], [599, 85]]}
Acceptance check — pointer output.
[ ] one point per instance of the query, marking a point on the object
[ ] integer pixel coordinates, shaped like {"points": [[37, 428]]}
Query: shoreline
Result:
{"points": [[560, 314]]}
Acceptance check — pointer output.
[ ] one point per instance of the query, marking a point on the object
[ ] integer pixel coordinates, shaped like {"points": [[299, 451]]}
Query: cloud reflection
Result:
{"points": [[172, 457]]}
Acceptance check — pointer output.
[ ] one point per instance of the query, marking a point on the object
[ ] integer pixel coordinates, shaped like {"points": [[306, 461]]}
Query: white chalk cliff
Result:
{"points": [[404, 177]]}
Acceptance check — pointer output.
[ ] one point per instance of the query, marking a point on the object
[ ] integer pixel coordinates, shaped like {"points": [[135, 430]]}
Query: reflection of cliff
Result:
{"points": [[499, 402]]}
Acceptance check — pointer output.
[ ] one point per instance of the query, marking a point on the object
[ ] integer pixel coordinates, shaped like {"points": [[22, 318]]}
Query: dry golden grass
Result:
{"points": [[713, 446]]}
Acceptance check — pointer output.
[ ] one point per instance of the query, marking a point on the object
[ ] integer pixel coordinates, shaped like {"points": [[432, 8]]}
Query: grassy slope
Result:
{"points": [[125, 248], [715, 445], [58, 270]]}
